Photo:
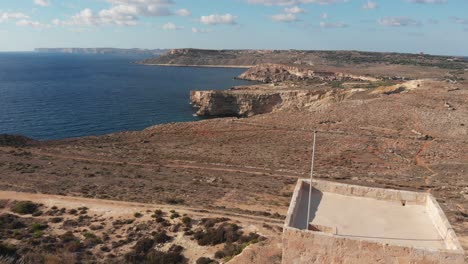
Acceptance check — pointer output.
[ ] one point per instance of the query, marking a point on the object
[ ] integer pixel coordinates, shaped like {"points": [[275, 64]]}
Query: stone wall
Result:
{"points": [[300, 246], [304, 246]]}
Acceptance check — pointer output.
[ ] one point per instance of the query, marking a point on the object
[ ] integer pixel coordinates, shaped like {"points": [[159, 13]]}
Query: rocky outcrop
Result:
{"points": [[231, 103], [268, 73], [274, 73], [244, 103]]}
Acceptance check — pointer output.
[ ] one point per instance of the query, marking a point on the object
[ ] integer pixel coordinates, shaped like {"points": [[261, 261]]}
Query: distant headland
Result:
{"points": [[114, 51]]}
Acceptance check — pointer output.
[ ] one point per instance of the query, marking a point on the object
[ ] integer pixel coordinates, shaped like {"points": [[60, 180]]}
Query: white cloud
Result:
{"points": [[201, 30], [183, 12], [295, 2], [324, 16], [122, 13], [284, 18], [370, 5], [333, 25], [289, 15], [294, 10], [4, 17], [42, 2], [459, 20], [217, 19], [30, 23], [171, 26], [398, 22], [428, 1]]}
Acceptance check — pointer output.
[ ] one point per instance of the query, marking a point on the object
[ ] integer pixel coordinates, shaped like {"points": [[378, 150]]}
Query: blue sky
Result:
{"points": [[431, 26]]}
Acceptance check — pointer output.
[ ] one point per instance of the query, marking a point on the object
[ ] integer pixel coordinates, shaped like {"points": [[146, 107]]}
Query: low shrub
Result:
{"points": [[158, 213], [159, 257], [143, 245], [230, 250], [38, 227], [138, 215], [162, 237], [70, 242], [187, 221], [56, 219], [24, 207], [210, 222], [225, 232], [10, 222], [175, 215], [7, 250], [175, 201], [37, 234], [37, 213], [73, 211], [204, 260], [176, 249]]}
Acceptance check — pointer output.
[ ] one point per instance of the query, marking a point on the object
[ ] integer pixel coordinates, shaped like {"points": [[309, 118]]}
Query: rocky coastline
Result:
{"points": [[284, 88]]}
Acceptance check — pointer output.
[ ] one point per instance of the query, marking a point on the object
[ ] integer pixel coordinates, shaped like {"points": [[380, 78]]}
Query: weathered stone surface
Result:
{"points": [[275, 73], [244, 103], [305, 246]]}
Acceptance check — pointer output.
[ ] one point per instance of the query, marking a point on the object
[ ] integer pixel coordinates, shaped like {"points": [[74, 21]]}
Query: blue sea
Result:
{"points": [[55, 96]]}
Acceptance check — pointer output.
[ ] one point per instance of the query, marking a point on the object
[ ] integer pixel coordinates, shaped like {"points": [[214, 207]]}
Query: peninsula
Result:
{"points": [[113, 51]]}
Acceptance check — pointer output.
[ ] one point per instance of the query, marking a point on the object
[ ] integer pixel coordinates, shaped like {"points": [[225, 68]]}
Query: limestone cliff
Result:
{"points": [[274, 73], [243, 103], [268, 73], [231, 103]]}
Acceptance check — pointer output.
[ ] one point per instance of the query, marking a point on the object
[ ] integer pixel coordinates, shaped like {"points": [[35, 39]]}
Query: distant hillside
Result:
{"points": [[115, 51], [333, 58]]}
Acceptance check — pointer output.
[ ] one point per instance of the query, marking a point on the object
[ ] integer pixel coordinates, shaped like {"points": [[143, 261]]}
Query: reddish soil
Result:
{"points": [[249, 167]]}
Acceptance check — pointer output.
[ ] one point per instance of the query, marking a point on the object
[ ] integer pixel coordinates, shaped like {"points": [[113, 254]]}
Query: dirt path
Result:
{"points": [[420, 161], [113, 208], [185, 165]]}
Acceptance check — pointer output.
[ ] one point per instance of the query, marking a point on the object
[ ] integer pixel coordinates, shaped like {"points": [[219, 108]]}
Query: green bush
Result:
{"points": [[24, 207], [10, 222], [226, 232], [37, 227], [144, 245], [230, 250], [159, 257], [138, 215], [162, 237], [56, 219], [73, 211], [7, 250], [175, 201], [91, 240], [187, 221], [204, 260], [158, 213], [175, 215], [37, 234]]}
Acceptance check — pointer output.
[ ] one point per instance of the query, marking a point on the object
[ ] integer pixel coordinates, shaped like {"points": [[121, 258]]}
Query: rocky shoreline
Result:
{"points": [[284, 88]]}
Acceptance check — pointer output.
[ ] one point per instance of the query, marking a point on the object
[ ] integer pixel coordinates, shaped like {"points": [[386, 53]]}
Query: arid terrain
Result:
{"points": [[393, 133]]}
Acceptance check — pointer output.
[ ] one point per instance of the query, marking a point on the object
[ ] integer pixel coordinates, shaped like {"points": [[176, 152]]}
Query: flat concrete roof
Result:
{"points": [[394, 217], [370, 219]]}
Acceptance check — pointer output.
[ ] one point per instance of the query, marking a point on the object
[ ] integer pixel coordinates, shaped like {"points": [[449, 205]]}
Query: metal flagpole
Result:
{"points": [[311, 177]]}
